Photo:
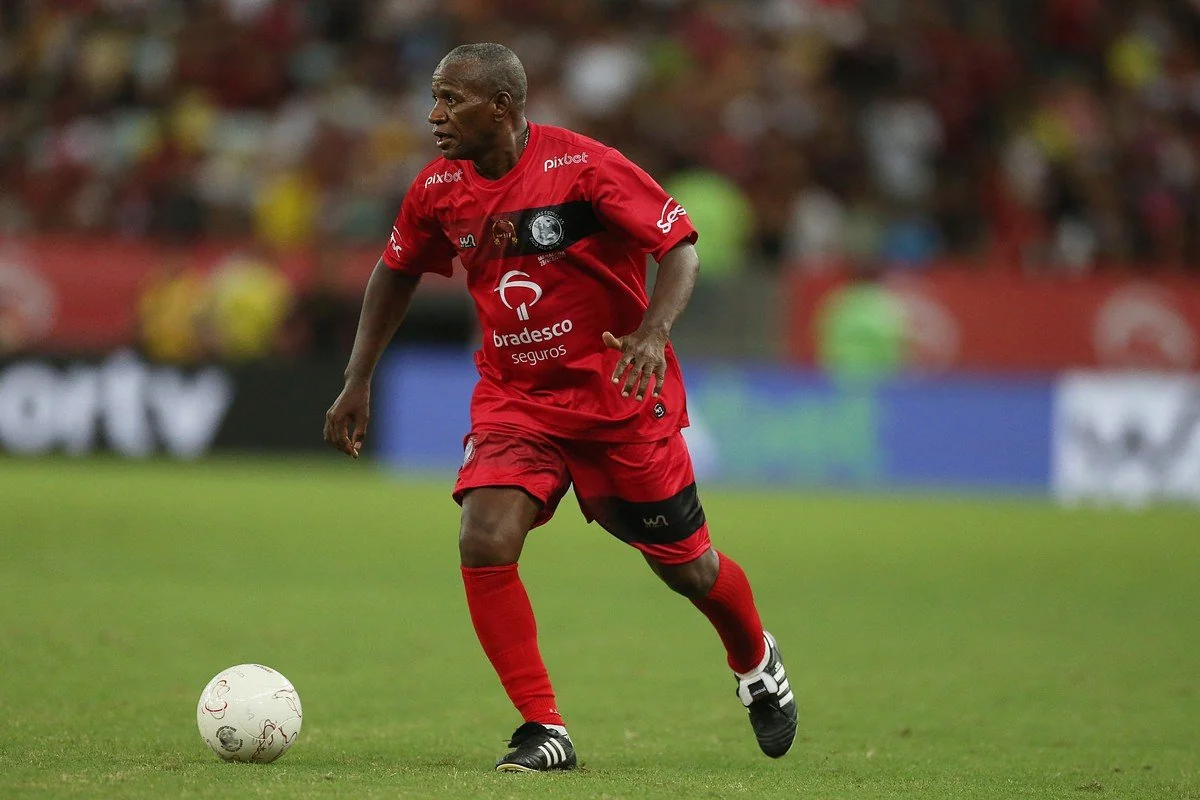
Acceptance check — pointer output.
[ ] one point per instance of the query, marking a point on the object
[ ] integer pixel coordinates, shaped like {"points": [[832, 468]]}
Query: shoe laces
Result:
{"points": [[526, 732]]}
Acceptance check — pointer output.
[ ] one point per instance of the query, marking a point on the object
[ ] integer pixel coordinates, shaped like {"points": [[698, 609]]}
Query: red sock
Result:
{"points": [[729, 606], [506, 628]]}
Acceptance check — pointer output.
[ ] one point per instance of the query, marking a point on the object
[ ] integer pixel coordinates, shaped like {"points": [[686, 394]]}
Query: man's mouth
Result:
{"points": [[442, 139]]}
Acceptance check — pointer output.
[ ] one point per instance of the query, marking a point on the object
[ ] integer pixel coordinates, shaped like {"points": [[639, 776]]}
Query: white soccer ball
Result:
{"points": [[249, 713]]}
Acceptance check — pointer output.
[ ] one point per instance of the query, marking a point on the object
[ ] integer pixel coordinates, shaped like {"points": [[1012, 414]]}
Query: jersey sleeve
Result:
{"points": [[417, 244], [628, 199]]}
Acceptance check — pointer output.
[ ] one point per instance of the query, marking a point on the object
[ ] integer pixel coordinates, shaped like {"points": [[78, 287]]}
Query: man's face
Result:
{"points": [[463, 118]]}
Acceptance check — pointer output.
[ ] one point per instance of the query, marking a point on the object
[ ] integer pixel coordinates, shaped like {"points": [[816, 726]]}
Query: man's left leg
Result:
{"points": [[718, 587], [645, 495]]}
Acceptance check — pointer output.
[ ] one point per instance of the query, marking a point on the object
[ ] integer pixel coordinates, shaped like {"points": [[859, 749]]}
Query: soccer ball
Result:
{"points": [[249, 713]]}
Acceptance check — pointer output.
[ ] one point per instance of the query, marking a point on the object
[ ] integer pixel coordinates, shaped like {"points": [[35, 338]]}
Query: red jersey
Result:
{"points": [[555, 254]]}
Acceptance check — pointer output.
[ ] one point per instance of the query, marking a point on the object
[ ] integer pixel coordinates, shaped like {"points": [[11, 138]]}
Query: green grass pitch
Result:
{"points": [[939, 648]]}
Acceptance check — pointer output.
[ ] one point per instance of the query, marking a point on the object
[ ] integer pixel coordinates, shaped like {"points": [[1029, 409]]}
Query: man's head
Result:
{"points": [[478, 99]]}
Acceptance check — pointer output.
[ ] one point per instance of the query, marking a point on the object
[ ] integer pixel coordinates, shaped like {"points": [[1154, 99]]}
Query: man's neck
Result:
{"points": [[500, 161]]}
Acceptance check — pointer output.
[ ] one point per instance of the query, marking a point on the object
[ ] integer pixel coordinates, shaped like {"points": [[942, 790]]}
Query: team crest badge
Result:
{"points": [[468, 452], [546, 230]]}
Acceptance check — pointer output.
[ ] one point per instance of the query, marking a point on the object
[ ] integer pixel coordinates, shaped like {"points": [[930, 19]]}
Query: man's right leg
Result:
{"points": [[496, 517], [494, 524]]}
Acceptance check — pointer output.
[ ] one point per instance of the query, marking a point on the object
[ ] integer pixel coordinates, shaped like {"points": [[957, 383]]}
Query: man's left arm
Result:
{"points": [[643, 352]]}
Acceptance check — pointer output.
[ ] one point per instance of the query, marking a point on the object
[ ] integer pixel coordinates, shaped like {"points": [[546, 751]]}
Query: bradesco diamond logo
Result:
{"points": [[510, 284]]}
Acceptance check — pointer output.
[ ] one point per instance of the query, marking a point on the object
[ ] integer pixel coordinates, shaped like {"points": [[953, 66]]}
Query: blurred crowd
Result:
{"points": [[1033, 135]]}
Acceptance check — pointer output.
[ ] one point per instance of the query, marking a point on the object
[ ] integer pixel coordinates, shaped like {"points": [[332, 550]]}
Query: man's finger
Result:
{"points": [[611, 342], [632, 379], [644, 382], [660, 375], [356, 440], [343, 433], [331, 430], [622, 365]]}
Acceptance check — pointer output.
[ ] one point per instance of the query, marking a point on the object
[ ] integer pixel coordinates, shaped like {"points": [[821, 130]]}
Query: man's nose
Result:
{"points": [[437, 114]]}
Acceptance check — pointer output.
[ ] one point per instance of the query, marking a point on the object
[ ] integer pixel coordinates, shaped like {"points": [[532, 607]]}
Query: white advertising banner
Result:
{"points": [[137, 408], [1128, 439]]}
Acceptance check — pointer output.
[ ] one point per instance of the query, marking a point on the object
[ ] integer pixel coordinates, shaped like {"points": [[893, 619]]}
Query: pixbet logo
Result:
{"points": [[564, 160], [444, 177], [666, 220], [509, 281]]}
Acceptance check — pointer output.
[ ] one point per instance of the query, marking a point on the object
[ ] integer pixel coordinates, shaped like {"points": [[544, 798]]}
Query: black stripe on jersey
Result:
{"points": [[660, 522], [533, 231]]}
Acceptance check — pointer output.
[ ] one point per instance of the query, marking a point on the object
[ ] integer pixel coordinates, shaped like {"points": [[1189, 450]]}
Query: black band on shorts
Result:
{"points": [[658, 522]]}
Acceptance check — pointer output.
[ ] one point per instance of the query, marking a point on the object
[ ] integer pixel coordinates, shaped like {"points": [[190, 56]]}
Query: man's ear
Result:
{"points": [[501, 103]]}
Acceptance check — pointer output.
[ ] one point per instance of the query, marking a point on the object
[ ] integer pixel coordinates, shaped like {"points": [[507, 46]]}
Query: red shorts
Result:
{"points": [[643, 493]]}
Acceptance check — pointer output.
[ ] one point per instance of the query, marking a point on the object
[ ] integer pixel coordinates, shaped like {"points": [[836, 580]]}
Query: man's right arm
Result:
{"points": [[387, 299]]}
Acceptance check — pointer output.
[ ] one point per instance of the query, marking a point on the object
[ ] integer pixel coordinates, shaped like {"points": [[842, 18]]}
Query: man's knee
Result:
{"points": [[493, 528], [489, 541], [693, 579]]}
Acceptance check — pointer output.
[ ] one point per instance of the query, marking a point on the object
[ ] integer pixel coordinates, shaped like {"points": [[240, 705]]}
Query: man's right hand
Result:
{"points": [[346, 420]]}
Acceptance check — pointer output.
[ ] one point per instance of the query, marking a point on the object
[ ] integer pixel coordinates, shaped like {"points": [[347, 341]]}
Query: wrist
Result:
{"points": [[660, 330], [357, 378]]}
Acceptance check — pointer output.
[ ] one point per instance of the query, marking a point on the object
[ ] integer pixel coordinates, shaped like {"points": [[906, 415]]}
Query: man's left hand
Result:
{"points": [[643, 354]]}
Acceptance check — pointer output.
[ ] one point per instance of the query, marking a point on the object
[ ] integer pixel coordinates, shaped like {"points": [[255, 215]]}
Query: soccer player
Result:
{"points": [[578, 383]]}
